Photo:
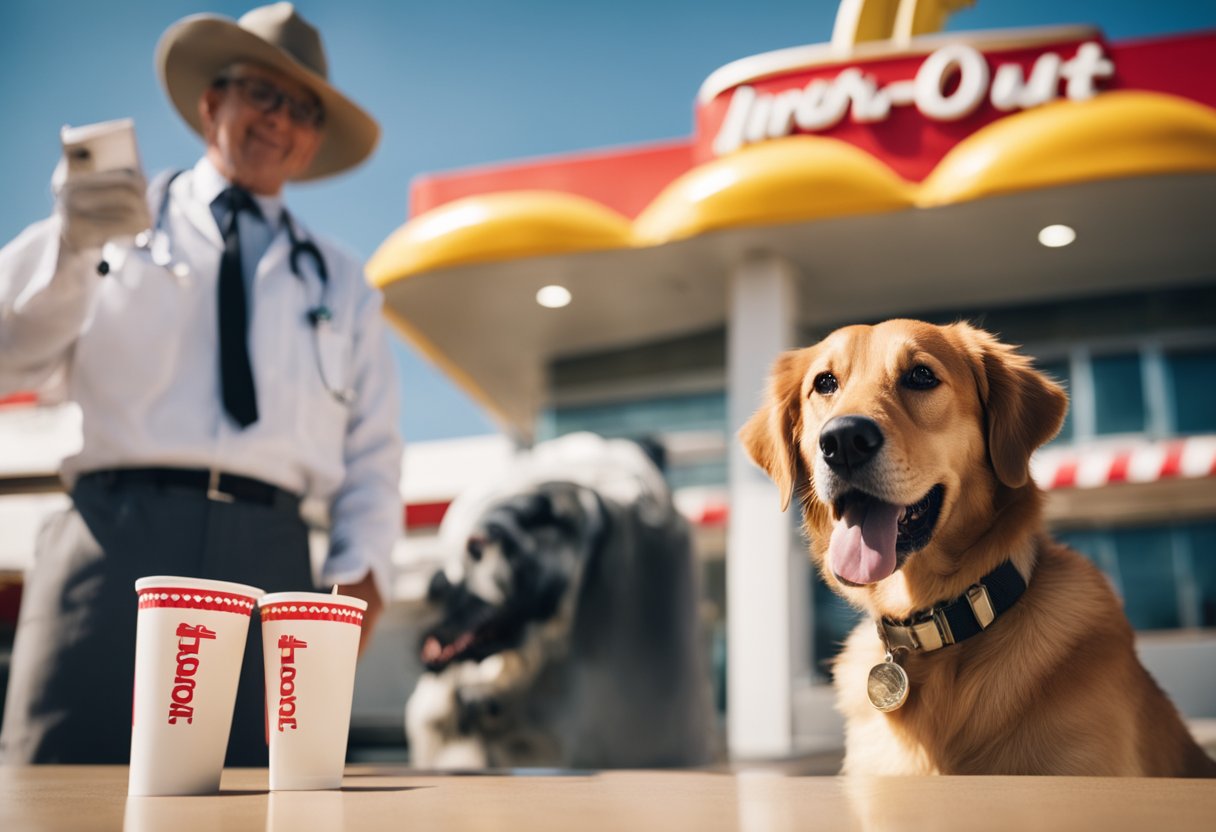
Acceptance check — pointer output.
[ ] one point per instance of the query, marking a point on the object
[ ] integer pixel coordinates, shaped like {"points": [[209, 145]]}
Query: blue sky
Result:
{"points": [[454, 83]]}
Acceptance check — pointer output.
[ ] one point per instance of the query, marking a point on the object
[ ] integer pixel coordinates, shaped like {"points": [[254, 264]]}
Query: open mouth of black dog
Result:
{"points": [[872, 538], [478, 631]]}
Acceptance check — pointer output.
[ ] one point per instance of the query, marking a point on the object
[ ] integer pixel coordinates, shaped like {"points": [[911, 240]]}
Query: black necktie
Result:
{"points": [[236, 376]]}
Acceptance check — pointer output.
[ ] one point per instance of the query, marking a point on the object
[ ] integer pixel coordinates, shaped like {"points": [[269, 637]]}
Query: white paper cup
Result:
{"points": [[189, 643], [310, 642]]}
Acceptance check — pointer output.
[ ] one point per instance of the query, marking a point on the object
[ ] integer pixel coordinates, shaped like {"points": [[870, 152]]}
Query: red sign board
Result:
{"points": [[907, 132]]}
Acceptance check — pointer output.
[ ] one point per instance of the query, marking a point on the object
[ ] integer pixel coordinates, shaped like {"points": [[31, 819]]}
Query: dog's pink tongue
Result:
{"points": [[862, 548]]}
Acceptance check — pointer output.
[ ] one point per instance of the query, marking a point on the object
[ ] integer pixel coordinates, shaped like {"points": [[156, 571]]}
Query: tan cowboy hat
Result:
{"points": [[195, 50]]}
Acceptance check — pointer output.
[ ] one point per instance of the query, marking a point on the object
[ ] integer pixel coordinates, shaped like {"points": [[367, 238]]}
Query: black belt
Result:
{"points": [[215, 485]]}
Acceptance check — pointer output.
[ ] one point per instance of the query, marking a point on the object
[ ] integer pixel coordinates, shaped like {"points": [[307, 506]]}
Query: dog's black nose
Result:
{"points": [[849, 442]]}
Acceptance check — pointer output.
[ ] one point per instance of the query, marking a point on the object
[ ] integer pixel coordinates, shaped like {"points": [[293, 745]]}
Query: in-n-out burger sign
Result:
{"points": [[822, 103]]}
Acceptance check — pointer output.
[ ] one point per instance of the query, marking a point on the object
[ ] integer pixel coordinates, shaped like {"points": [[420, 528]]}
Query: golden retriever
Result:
{"points": [[990, 648]]}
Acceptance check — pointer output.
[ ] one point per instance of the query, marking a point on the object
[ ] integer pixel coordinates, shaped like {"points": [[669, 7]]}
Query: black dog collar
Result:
{"points": [[958, 620]]}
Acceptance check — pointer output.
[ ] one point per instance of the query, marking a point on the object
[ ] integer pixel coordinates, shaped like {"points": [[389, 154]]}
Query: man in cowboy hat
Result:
{"points": [[231, 368]]}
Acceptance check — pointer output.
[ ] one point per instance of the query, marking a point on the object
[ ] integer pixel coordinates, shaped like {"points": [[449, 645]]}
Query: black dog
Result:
{"points": [[569, 636]]}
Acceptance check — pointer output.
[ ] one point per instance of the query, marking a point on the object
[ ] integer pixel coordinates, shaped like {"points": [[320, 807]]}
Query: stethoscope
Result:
{"points": [[159, 247]]}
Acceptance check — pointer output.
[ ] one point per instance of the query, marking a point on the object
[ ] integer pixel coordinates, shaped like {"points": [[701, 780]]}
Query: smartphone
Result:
{"points": [[105, 146], [98, 148]]}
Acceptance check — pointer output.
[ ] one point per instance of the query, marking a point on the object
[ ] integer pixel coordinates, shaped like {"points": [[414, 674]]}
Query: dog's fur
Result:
{"points": [[569, 633], [1054, 685]]}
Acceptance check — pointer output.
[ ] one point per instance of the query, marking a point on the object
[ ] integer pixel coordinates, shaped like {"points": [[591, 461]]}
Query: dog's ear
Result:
{"points": [[770, 436], [1022, 407], [557, 504], [439, 588]]}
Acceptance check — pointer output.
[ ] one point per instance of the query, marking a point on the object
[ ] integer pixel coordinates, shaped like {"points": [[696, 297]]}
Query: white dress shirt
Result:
{"points": [[139, 351]]}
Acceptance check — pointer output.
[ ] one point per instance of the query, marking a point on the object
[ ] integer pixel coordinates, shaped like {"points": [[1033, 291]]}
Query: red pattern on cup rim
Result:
{"points": [[297, 610], [196, 599]]}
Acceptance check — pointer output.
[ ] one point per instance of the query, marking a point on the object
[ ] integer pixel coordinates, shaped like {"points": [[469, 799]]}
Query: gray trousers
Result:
{"points": [[70, 688]]}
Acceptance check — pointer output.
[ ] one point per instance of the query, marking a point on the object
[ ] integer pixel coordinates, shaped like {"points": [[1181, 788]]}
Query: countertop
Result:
{"points": [[374, 797]]}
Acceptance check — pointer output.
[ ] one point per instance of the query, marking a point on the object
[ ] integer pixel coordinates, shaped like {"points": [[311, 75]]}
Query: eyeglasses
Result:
{"points": [[265, 97]]}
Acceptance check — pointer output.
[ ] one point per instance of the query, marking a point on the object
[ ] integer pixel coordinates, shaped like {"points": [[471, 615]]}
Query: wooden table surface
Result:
{"points": [[81, 798]]}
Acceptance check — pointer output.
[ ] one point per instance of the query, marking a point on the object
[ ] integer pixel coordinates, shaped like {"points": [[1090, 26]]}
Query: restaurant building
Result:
{"points": [[1048, 184]]}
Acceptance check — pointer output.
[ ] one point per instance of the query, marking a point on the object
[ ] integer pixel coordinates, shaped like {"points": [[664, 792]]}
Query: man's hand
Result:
{"points": [[365, 589], [97, 207]]}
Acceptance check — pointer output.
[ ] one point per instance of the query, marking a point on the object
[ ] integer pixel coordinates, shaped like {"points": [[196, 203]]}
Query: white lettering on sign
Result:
{"points": [[949, 85]]}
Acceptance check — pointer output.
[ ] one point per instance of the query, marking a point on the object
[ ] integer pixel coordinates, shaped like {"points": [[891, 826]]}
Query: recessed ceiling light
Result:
{"points": [[553, 297], [1057, 236]]}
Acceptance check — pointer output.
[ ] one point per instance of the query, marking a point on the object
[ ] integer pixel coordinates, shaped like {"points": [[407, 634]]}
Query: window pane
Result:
{"points": [[646, 416], [1061, 372], [1193, 386], [1118, 394], [697, 472], [653, 417], [1146, 565], [1202, 539], [1095, 545], [834, 620]]}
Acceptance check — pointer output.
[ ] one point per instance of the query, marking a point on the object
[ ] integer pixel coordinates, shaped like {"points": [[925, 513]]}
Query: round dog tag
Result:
{"points": [[887, 686]]}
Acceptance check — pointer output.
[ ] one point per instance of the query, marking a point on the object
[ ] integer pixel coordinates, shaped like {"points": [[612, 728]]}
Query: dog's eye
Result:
{"points": [[475, 547], [825, 384], [920, 377]]}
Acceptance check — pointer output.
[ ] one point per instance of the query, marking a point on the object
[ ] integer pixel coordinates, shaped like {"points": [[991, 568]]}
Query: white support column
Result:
{"points": [[761, 324]]}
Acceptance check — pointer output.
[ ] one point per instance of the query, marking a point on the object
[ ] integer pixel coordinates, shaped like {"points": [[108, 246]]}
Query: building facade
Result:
{"points": [[1048, 185]]}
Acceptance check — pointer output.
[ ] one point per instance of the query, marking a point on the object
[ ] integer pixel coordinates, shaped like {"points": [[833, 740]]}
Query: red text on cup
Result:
{"points": [[189, 637], [288, 645]]}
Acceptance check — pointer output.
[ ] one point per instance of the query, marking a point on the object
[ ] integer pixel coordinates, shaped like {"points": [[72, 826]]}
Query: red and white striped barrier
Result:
{"points": [[1052, 468], [1140, 462]]}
